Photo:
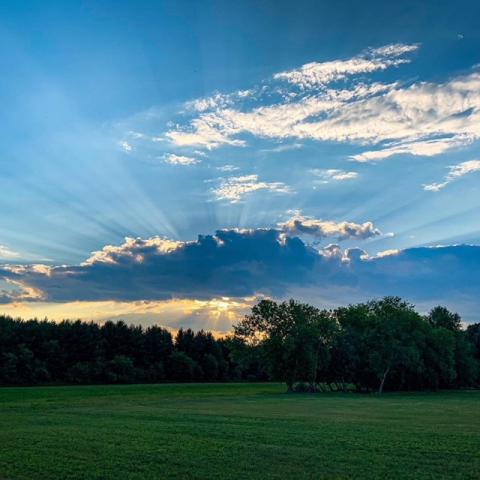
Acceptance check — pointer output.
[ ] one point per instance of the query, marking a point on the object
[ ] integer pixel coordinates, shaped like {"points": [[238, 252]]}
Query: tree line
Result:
{"points": [[374, 346], [75, 352]]}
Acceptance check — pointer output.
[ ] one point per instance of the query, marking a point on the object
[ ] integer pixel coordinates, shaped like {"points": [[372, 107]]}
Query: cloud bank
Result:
{"points": [[241, 263]]}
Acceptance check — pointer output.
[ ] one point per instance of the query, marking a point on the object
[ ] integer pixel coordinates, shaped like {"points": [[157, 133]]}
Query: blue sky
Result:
{"points": [[291, 127]]}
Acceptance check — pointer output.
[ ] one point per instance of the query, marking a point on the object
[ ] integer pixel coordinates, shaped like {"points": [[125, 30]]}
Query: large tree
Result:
{"points": [[381, 339], [292, 335]]}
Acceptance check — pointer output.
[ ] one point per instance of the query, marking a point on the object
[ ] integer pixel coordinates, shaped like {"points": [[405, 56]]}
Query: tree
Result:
{"points": [[442, 317], [209, 366], [181, 367], [438, 360], [473, 336], [292, 335], [158, 344], [383, 339], [466, 365], [121, 370]]}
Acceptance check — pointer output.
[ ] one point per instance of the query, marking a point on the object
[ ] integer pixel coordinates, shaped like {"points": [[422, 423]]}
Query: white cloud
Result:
{"points": [[456, 171], [173, 159], [278, 121], [199, 153], [228, 168], [126, 146], [204, 132], [449, 112], [234, 189], [5, 252], [422, 118], [387, 253], [301, 225], [217, 100], [427, 148], [316, 74], [133, 248], [326, 176], [282, 148], [434, 187]]}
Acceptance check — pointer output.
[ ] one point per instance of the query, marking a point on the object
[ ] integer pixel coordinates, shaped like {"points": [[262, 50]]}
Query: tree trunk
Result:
{"points": [[382, 383]]}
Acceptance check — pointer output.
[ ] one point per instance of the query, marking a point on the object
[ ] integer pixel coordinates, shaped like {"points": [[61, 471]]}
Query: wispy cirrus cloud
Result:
{"points": [[280, 120], [316, 74], [217, 100], [233, 189], [335, 101], [426, 148], [456, 172]]}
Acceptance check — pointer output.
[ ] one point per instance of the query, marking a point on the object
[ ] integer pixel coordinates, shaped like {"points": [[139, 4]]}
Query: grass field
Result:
{"points": [[235, 431]]}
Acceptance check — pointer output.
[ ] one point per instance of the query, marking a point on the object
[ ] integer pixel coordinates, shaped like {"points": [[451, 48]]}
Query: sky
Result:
{"points": [[174, 162]]}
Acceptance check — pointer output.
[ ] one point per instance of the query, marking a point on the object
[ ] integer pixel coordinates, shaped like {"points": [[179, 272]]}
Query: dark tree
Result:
{"points": [[292, 336], [442, 317]]}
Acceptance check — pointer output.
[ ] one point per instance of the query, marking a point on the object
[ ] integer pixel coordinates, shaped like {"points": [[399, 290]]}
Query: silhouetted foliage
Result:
{"points": [[375, 346]]}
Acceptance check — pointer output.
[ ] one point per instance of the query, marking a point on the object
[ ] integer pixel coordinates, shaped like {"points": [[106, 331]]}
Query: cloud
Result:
{"points": [[228, 168], [282, 148], [326, 176], [386, 253], [427, 148], [135, 248], [126, 146], [283, 120], [7, 253], [231, 263], [300, 225], [329, 102], [245, 263], [234, 189], [173, 159], [218, 100], [456, 172], [316, 74]]}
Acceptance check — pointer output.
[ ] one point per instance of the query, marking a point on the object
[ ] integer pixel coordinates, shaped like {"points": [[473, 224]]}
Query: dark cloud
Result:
{"points": [[425, 272], [229, 263], [238, 263]]}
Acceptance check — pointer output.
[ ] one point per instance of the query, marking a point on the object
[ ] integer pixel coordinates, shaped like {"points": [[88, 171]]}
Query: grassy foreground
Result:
{"points": [[234, 431]]}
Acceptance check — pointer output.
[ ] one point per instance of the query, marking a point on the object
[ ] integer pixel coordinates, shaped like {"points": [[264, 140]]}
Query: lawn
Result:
{"points": [[235, 431]]}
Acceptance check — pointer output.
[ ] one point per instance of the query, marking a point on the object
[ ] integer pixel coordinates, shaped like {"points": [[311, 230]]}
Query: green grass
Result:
{"points": [[235, 431]]}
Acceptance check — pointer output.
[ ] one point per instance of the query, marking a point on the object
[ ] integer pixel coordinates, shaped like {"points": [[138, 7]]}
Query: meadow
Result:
{"points": [[218, 431]]}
